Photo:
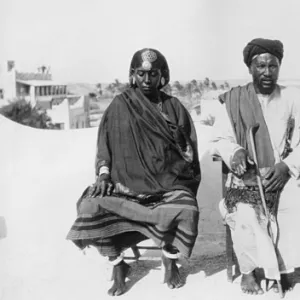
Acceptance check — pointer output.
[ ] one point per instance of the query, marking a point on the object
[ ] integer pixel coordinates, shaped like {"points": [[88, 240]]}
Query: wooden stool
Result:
{"points": [[230, 255], [136, 251]]}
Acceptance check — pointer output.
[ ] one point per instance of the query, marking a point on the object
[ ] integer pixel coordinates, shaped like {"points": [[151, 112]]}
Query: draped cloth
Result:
{"points": [[250, 233], [244, 111], [158, 184], [137, 145], [114, 223]]}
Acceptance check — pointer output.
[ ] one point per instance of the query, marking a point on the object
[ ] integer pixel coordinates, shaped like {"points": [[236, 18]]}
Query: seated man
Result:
{"points": [[276, 109], [147, 172]]}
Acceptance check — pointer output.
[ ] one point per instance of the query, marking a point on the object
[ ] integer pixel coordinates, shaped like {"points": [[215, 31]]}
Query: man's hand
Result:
{"points": [[103, 186], [277, 177], [239, 162]]}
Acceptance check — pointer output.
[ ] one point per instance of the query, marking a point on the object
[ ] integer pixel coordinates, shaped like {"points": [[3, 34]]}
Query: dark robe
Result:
{"points": [[140, 146], [135, 142]]}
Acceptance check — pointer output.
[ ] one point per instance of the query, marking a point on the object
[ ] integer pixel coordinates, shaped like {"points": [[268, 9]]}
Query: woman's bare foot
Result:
{"points": [[172, 276], [120, 272], [250, 285], [287, 283]]}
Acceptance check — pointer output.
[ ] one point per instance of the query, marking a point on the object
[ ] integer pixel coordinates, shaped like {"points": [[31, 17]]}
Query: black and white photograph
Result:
{"points": [[149, 149]]}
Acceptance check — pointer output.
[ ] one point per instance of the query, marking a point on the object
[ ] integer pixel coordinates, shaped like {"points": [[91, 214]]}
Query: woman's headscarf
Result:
{"points": [[148, 59]]}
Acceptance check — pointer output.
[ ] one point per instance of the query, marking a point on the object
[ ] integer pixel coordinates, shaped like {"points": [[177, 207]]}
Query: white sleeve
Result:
{"points": [[224, 142], [293, 160]]}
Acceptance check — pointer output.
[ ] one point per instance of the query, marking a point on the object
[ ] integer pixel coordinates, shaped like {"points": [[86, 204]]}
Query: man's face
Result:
{"points": [[265, 70], [148, 80]]}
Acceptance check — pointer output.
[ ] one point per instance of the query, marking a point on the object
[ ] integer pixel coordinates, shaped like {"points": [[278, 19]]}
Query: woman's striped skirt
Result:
{"points": [[115, 223]]}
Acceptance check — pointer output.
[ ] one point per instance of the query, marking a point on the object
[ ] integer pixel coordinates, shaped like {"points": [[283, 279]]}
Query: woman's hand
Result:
{"points": [[103, 186]]}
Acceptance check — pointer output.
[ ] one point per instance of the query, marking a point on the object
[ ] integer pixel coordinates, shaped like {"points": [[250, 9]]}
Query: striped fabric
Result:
{"points": [[114, 223]]}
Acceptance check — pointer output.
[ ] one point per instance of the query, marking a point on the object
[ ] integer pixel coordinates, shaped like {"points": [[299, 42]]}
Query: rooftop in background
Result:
{"points": [[38, 82], [47, 102], [33, 76]]}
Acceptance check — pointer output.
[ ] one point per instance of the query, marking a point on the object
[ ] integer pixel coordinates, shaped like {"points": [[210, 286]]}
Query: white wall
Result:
{"points": [[32, 95], [8, 81], [60, 113], [43, 173]]}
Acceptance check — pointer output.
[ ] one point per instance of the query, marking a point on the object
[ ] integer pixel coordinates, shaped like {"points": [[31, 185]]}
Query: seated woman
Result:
{"points": [[147, 172]]}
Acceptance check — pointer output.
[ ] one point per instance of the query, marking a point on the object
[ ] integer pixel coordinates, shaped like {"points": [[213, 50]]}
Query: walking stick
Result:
{"points": [[262, 195]]}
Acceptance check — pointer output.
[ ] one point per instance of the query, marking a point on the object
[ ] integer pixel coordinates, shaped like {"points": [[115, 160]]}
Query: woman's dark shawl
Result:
{"points": [[135, 142], [244, 111]]}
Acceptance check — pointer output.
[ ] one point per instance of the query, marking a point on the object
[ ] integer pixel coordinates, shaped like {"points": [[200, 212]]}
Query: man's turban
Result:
{"points": [[259, 46]]}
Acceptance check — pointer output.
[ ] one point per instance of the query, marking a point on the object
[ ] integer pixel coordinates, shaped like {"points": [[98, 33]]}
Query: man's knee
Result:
{"points": [[246, 213]]}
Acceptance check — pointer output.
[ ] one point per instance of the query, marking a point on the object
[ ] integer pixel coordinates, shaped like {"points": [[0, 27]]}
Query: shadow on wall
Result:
{"points": [[3, 228]]}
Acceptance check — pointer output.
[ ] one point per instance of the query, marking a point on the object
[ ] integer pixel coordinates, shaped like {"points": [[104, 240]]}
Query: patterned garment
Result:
{"points": [[251, 196], [115, 223]]}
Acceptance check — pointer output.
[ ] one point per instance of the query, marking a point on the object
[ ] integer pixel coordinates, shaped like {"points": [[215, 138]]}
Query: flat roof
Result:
{"points": [[40, 82]]}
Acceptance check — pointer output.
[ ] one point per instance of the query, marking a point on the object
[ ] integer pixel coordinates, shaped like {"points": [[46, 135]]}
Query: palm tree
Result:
{"points": [[188, 89], [177, 87], [201, 86], [226, 85], [167, 89], [42, 69], [213, 85], [194, 83], [206, 82], [99, 88]]}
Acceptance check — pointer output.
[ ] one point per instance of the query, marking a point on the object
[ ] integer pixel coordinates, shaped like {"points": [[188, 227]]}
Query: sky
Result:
{"points": [[93, 40]]}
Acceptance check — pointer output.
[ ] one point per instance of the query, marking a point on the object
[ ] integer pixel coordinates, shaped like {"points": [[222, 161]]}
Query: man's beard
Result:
{"points": [[264, 90]]}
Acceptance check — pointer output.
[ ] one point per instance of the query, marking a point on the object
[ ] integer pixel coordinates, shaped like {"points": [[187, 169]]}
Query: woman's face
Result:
{"points": [[148, 80]]}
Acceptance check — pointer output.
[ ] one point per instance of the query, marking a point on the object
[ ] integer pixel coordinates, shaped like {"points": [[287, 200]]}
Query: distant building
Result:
{"points": [[7, 82], [95, 113], [66, 111], [79, 113], [69, 113]]}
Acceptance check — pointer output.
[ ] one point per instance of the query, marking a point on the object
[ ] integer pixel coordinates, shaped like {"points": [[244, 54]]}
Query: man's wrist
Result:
{"points": [[235, 150]]}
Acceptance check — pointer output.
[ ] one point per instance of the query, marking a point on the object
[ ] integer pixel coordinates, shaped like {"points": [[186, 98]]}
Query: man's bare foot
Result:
{"points": [[120, 272], [172, 276], [287, 283], [249, 284]]}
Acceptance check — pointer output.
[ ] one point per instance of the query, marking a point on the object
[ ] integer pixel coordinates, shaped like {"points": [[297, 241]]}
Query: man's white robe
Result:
{"points": [[251, 242]]}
